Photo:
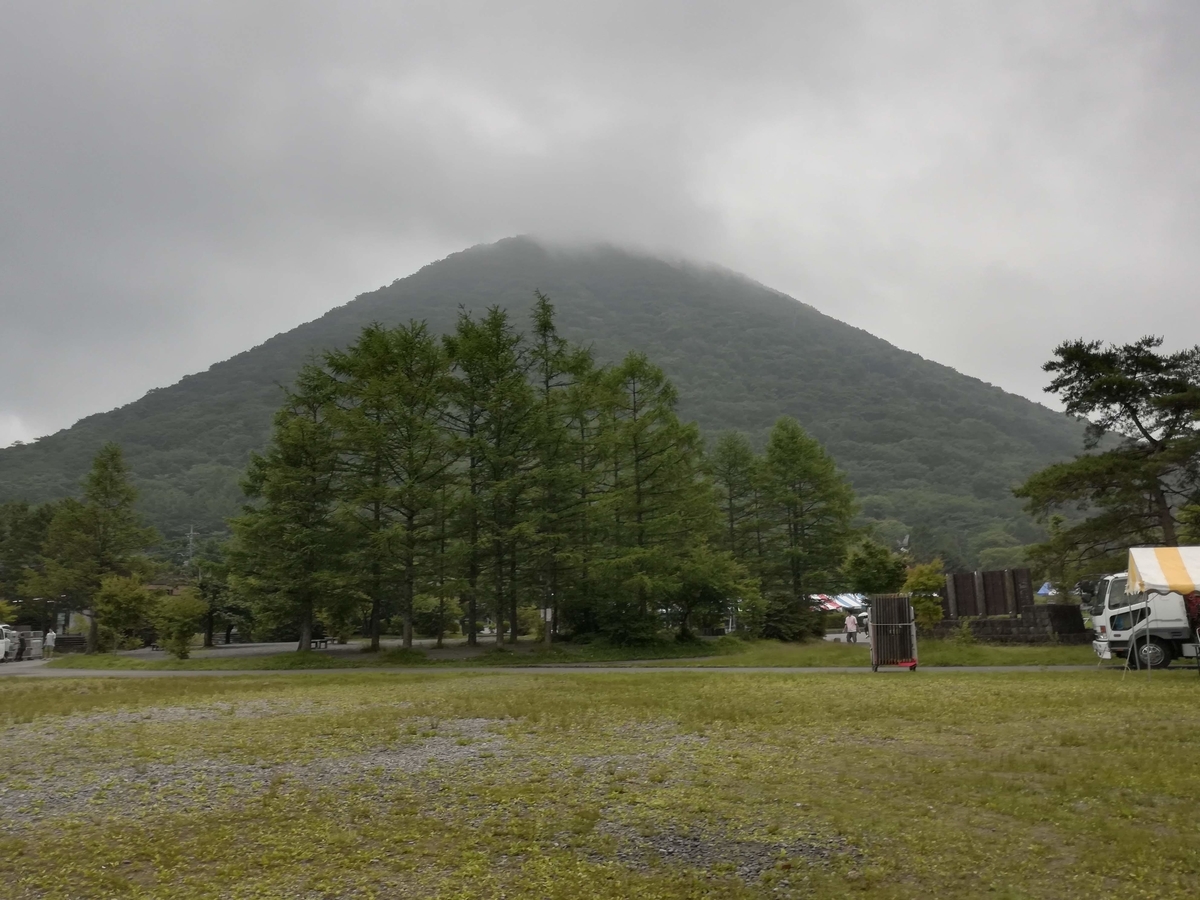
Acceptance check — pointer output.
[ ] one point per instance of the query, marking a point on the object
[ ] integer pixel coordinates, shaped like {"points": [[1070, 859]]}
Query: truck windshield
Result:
{"points": [[1117, 598]]}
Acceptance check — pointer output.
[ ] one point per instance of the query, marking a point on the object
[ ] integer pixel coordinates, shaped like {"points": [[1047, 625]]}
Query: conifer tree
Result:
{"points": [[289, 550], [97, 537], [361, 417], [421, 469], [811, 506], [496, 412], [659, 506]]}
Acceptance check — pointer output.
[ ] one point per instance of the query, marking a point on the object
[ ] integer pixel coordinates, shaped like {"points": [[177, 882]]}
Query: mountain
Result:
{"points": [[930, 451]]}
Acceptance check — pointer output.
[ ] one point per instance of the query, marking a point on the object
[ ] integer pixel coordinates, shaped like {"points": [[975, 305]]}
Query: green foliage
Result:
{"points": [[90, 541], [288, 558], [929, 451], [963, 636], [874, 569], [121, 608], [389, 396], [1143, 410], [927, 610], [177, 618], [435, 616], [8, 612], [925, 578], [808, 510]]}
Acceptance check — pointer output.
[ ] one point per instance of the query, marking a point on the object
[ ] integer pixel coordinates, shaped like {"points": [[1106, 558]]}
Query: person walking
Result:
{"points": [[21, 645], [48, 644], [851, 628]]}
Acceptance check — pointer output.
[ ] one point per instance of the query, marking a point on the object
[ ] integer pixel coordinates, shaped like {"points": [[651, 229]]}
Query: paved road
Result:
{"points": [[37, 669]]}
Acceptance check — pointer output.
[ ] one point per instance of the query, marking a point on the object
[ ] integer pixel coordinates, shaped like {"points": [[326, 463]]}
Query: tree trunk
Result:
{"points": [[93, 636], [513, 625], [498, 586], [306, 626], [376, 611], [1165, 520], [209, 626], [409, 578], [228, 633]]}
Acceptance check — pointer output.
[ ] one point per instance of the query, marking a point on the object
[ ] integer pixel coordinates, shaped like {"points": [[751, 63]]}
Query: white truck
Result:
{"points": [[8, 643], [1156, 620]]}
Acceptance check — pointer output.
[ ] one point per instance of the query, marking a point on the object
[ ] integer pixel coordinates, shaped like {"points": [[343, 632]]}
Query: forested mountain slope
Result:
{"points": [[928, 449]]}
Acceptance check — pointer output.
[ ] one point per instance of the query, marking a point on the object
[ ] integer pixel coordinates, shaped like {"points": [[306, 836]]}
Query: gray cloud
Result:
{"points": [[974, 182]]}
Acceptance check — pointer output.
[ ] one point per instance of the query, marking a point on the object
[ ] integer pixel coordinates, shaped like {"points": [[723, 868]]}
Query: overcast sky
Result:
{"points": [[971, 181]]}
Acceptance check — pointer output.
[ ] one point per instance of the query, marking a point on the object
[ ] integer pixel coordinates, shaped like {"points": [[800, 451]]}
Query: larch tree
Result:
{"points": [[289, 551], [89, 540], [659, 506], [812, 505]]}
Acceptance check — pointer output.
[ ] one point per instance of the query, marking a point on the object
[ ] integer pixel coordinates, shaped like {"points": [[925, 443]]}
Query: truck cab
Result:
{"points": [[1147, 629]]}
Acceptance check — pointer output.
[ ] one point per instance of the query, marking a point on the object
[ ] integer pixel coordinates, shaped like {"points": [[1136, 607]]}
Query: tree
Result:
{"points": [[659, 507], [733, 465], [391, 391], [558, 371], [874, 569], [497, 422], [361, 418], [925, 582], [711, 585], [23, 530], [91, 539], [811, 506], [177, 619], [1143, 413], [289, 549], [925, 578], [122, 607]]}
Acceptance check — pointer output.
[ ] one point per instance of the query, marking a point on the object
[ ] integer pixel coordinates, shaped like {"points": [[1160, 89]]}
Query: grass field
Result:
{"points": [[570, 785], [930, 652], [720, 652]]}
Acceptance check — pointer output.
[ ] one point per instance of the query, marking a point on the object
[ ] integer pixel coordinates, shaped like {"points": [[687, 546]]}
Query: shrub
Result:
{"points": [[433, 615], [963, 634], [178, 618], [927, 609]]}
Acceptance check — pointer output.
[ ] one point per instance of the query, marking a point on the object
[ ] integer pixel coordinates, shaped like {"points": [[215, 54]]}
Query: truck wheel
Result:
{"points": [[1153, 653]]}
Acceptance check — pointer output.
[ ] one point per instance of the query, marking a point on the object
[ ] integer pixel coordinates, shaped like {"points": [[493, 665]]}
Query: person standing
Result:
{"points": [[21, 645], [48, 644], [851, 628]]}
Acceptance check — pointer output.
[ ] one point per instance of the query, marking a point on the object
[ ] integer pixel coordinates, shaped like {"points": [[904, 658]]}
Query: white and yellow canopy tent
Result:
{"points": [[1163, 570]]}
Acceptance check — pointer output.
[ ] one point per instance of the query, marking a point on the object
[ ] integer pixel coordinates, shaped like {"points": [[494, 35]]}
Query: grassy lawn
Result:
{"points": [[930, 653], [720, 652], [558, 655], [565, 785]]}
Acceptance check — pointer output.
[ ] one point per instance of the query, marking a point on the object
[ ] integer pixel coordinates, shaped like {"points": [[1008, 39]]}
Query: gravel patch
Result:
{"points": [[715, 854], [210, 784]]}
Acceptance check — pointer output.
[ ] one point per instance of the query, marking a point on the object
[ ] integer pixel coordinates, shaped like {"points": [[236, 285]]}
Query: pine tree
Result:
{"points": [[361, 416], [422, 469], [811, 506], [98, 537], [495, 412], [659, 506], [558, 369], [289, 550]]}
